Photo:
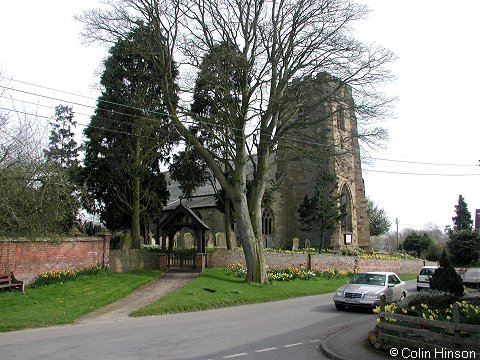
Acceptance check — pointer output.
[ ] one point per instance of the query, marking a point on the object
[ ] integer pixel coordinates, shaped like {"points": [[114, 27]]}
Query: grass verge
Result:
{"points": [[217, 288], [62, 303], [406, 277]]}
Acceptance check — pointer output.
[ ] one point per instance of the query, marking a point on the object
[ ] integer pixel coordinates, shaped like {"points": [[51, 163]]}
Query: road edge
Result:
{"points": [[325, 349]]}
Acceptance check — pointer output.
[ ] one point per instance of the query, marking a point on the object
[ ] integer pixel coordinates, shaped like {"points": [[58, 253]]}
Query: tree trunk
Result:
{"points": [[322, 237], [227, 220], [136, 199], [252, 247]]}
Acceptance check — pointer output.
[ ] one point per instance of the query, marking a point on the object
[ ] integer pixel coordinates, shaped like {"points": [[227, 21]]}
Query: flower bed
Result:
{"points": [[291, 273], [60, 276], [429, 320]]}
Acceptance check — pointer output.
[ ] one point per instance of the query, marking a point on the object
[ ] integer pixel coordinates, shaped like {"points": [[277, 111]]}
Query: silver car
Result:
{"points": [[366, 289]]}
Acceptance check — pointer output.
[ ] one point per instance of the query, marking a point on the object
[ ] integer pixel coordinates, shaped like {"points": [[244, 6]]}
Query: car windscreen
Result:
{"points": [[369, 279], [427, 271]]}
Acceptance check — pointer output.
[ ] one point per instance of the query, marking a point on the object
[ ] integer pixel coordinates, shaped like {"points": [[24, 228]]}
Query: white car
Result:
{"points": [[366, 289], [424, 277]]}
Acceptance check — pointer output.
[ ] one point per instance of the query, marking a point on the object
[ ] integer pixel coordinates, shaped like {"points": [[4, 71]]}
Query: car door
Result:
{"points": [[396, 290]]}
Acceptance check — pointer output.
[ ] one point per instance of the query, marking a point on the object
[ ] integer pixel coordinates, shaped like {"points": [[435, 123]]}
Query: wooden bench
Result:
{"points": [[8, 281]]}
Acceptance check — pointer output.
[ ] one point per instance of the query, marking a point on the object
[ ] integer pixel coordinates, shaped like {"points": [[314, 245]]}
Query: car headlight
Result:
{"points": [[370, 296], [339, 293]]}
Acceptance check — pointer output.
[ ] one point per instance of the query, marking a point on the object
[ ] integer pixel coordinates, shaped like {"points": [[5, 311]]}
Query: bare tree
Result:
{"points": [[33, 194], [278, 41]]}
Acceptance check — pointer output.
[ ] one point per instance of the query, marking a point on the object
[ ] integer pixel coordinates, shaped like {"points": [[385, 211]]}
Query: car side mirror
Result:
{"points": [[390, 285], [347, 281]]}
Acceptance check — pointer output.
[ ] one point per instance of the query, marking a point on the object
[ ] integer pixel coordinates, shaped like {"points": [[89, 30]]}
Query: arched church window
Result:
{"points": [[347, 207], [267, 222]]}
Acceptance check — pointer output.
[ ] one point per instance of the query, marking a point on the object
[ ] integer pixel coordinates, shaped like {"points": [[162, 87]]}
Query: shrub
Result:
{"points": [[152, 248], [434, 252], [464, 246], [432, 298], [446, 278], [349, 251], [417, 243]]}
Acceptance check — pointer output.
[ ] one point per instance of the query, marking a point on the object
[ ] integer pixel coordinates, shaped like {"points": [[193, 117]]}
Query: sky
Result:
{"points": [[433, 152]]}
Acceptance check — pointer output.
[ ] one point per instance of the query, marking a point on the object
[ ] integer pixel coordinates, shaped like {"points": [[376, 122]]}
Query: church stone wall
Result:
{"points": [[222, 258]]}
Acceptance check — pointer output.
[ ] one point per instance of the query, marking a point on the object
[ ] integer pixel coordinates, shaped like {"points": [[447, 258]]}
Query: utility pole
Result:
{"points": [[396, 222]]}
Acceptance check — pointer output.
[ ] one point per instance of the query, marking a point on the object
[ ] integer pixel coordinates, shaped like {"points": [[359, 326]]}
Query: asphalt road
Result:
{"points": [[289, 329]]}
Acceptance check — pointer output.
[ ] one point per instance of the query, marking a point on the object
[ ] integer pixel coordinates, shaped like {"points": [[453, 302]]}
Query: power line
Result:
{"points": [[422, 163], [84, 125], [418, 174], [312, 143], [309, 162], [155, 113]]}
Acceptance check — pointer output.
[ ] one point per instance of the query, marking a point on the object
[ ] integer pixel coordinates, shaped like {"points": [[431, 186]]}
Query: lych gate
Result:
{"points": [[182, 217]]}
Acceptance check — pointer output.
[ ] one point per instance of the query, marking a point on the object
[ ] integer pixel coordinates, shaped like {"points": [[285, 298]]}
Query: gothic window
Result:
{"points": [[267, 222], [347, 204]]}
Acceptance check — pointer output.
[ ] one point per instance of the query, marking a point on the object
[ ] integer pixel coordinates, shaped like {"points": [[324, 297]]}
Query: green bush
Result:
{"points": [[352, 251], [434, 252], [432, 298], [464, 246], [446, 278]]}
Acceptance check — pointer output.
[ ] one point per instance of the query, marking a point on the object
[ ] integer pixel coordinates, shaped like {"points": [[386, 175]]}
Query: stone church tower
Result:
{"points": [[325, 142]]}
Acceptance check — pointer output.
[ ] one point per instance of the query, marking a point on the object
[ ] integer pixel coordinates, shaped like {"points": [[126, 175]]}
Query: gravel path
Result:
{"points": [[145, 295]]}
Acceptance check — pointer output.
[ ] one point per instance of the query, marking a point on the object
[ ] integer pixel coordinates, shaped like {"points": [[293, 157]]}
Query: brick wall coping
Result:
{"points": [[52, 240]]}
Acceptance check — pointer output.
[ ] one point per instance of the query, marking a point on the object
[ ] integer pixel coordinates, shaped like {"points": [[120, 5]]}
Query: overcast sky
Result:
{"points": [[435, 130]]}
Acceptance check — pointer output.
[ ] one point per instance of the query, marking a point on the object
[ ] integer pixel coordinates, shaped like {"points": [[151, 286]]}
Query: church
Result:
{"points": [[326, 141]]}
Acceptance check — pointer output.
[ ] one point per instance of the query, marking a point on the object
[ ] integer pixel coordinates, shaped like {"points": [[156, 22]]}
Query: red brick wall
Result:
{"points": [[224, 257], [27, 258]]}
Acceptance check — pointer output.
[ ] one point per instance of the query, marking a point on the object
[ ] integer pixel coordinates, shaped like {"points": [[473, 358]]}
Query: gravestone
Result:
{"points": [[233, 239], [295, 243], [188, 240], [210, 241], [179, 241], [221, 240], [307, 244]]}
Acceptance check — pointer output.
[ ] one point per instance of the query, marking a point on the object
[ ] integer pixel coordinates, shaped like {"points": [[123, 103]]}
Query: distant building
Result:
{"points": [[477, 219]]}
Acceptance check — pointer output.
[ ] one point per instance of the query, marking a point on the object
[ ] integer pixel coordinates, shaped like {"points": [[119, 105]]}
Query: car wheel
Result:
{"points": [[340, 306], [403, 296]]}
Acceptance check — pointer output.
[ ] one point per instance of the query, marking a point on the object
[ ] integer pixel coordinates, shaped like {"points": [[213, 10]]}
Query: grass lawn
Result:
{"points": [[406, 277], [58, 304], [215, 288]]}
